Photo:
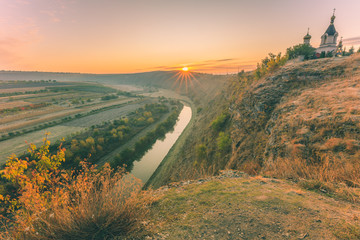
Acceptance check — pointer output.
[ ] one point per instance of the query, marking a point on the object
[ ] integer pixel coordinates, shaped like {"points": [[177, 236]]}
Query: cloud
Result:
{"points": [[231, 65], [52, 14], [222, 60], [352, 41]]}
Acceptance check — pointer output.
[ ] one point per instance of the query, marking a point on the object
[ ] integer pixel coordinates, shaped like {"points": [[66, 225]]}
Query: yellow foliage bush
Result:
{"points": [[51, 203]]}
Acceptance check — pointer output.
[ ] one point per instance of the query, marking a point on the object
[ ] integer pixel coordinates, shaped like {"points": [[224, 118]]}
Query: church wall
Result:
{"points": [[326, 48]]}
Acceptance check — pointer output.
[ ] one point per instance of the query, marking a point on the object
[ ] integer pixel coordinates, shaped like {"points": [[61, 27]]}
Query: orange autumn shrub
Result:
{"points": [[55, 204]]}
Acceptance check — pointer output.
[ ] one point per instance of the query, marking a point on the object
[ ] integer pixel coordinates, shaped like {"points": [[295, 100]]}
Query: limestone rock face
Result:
{"points": [[309, 111]]}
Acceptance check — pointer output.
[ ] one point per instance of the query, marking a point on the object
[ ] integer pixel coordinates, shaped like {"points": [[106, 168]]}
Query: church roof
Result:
{"points": [[331, 30], [307, 36]]}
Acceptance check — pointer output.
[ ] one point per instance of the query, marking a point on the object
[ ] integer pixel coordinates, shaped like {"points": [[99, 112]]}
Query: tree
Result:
{"points": [[344, 52], [301, 50], [269, 64], [329, 54], [275, 62], [351, 50], [34, 178], [241, 74]]}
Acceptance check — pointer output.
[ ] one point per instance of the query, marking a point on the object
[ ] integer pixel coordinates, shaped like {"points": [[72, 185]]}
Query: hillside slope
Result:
{"points": [[301, 121]]}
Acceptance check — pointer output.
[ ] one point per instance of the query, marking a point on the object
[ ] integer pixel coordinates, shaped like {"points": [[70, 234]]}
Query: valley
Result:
{"points": [[291, 137]]}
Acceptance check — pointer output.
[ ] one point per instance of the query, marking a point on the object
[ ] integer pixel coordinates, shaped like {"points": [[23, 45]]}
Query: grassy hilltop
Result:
{"points": [[236, 206]]}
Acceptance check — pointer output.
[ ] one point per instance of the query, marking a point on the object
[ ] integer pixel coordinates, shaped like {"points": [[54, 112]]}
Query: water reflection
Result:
{"points": [[144, 168]]}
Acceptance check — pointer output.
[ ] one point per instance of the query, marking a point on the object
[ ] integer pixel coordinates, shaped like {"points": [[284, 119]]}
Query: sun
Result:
{"points": [[185, 78]]}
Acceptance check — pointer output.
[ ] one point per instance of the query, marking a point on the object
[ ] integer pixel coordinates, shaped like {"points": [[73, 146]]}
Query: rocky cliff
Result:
{"points": [[301, 121]]}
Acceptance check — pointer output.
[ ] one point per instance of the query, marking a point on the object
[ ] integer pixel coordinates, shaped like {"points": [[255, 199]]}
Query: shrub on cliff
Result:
{"points": [[301, 50], [269, 64], [220, 122]]}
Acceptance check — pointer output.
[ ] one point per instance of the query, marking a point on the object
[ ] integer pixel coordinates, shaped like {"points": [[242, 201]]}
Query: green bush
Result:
{"points": [[220, 122], [109, 97], [223, 142], [301, 50], [269, 64], [201, 151]]}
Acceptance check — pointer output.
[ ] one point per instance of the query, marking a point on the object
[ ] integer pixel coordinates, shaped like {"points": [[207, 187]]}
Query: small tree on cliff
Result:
{"points": [[301, 50]]}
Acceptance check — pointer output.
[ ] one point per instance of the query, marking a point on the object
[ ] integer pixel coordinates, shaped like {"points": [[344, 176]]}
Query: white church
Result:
{"points": [[328, 40]]}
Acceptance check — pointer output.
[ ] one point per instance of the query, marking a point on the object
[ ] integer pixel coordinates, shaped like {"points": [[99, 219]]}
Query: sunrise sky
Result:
{"points": [[125, 36]]}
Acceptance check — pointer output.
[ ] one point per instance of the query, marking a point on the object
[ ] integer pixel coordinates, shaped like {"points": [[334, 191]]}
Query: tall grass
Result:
{"points": [[92, 205], [335, 176], [327, 170]]}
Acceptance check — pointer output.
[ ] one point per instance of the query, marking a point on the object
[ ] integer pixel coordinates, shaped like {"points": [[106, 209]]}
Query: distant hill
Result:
{"points": [[144, 78], [186, 83], [25, 75]]}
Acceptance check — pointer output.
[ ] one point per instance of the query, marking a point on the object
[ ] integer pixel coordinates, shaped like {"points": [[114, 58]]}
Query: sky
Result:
{"points": [[127, 36]]}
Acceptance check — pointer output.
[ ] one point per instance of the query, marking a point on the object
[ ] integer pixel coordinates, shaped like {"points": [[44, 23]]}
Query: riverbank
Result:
{"points": [[132, 141], [174, 150], [145, 167]]}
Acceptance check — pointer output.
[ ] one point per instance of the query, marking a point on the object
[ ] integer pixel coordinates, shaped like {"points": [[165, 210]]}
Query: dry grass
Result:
{"points": [[337, 177], [8, 105], [327, 170], [31, 114], [37, 117], [95, 205], [252, 208], [316, 134], [31, 117]]}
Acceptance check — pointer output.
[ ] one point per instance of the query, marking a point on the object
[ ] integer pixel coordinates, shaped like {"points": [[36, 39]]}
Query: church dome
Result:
{"points": [[331, 30], [307, 36]]}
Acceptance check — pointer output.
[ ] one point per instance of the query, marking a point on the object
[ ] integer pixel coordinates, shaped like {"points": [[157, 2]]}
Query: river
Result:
{"points": [[146, 166]]}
